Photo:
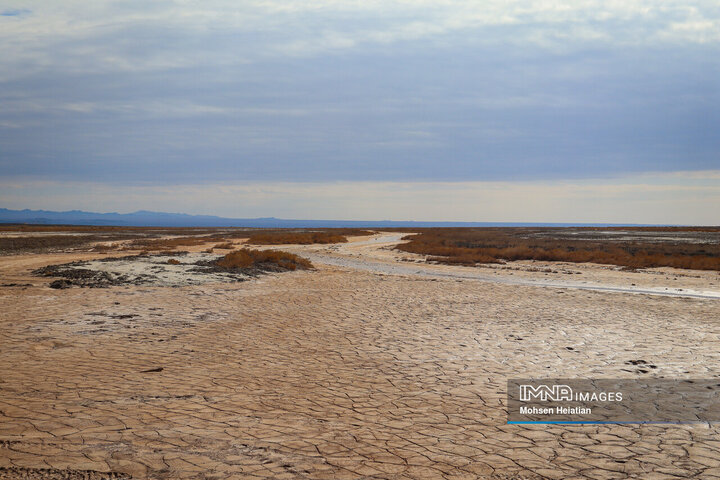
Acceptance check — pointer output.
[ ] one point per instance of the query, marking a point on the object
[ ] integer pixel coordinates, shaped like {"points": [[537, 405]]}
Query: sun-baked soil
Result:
{"points": [[374, 365]]}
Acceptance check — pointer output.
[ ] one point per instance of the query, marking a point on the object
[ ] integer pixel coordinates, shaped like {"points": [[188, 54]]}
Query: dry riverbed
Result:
{"points": [[375, 365]]}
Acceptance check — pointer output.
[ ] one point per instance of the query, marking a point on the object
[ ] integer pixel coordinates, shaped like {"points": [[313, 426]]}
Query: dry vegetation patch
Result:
{"points": [[470, 246], [47, 238], [263, 259], [45, 243], [299, 238], [170, 243]]}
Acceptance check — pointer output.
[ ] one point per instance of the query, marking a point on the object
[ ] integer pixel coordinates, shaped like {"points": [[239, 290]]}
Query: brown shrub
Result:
{"points": [[246, 258], [173, 261], [169, 243], [141, 238], [299, 238], [469, 246], [48, 243]]}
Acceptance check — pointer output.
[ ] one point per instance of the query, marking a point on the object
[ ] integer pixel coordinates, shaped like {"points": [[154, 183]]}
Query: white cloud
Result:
{"points": [[314, 27]]}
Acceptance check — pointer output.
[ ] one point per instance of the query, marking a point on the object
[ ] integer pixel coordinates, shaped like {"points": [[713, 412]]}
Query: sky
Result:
{"points": [[519, 111]]}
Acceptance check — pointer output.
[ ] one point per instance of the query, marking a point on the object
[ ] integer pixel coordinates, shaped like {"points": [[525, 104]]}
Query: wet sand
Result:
{"points": [[372, 366]]}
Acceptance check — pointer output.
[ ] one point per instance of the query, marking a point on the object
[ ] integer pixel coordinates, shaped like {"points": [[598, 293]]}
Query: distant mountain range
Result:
{"points": [[144, 218]]}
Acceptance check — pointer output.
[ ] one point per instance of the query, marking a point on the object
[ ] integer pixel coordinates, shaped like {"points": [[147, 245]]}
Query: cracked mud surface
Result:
{"points": [[339, 373]]}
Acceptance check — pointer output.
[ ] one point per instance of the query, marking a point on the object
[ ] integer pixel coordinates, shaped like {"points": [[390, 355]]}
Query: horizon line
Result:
{"points": [[22, 217]]}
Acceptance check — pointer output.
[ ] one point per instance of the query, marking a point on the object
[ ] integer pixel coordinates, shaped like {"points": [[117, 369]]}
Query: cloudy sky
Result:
{"points": [[544, 110]]}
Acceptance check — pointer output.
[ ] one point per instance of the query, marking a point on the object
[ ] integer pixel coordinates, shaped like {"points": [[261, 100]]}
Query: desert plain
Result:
{"points": [[375, 364]]}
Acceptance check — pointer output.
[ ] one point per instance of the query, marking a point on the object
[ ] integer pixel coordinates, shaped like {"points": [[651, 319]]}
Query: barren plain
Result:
{"points": [[373, 365]]}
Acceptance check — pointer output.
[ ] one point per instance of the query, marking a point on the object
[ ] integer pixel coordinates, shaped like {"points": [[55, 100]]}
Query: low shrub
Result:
{"points": [[263, 259], [470, 246], [45, 243], [169, 243], [298, 238]]}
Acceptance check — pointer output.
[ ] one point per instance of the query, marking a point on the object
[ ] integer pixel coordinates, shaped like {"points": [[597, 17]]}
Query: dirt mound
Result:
{"points": [[175, 270]]}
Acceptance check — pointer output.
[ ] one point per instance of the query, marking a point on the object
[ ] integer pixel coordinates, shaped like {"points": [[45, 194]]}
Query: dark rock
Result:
{"points": [[62, 283]]}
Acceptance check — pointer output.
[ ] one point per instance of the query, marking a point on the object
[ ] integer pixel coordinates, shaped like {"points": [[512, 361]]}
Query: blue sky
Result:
{"points": [[331, 102]]}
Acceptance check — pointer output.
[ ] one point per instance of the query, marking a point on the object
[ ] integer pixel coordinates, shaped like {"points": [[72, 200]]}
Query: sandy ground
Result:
{"points": [[373, 366]]}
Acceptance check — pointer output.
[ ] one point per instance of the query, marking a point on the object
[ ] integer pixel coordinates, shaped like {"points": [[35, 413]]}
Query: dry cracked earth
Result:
{"points": [[339, 373]]}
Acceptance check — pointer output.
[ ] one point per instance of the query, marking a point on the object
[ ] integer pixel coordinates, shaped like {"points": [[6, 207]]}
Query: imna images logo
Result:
{"points": [[544, 393]]}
